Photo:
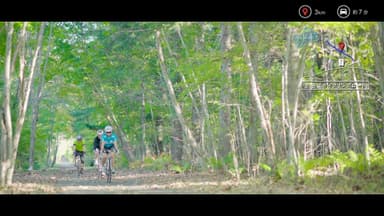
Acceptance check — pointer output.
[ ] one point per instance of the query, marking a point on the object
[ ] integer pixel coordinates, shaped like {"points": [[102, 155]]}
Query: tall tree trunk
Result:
{"points": [[361, 115], [353, 137], [147, 150], [284, 120], [24, 88], [254, 120], [27, 89], [36, 98], [211, 139], [7, 132], [159, 148], [50, 135], [195, 110], [246, 152], [377, 35], [293, 76], [344, 129], [177, 143], [188, 133], [329, 125], [255, 95], [56, 148], [225, 98]]}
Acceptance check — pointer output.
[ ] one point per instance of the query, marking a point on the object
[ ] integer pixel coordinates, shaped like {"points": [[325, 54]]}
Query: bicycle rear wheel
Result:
{"points": [[99, 169], [109, 170], [78, 165]]}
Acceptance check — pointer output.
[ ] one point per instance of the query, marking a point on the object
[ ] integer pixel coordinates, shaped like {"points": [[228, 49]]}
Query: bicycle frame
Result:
{"points": [[109, 167], [99, 167], [78, 165]]}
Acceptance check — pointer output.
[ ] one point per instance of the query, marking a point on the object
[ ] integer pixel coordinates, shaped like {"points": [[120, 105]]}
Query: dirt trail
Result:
{"points": [[64, 180]]}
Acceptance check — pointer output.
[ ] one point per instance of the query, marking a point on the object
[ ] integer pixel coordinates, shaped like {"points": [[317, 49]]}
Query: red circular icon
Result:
{"points": [[341, 45], [305, 11]]}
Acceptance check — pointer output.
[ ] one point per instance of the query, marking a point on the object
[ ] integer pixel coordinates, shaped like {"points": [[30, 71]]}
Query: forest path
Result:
{"points": [[63, 179]]}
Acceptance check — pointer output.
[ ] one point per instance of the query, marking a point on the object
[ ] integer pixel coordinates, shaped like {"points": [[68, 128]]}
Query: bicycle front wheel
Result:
{"points": [[109, 170]]}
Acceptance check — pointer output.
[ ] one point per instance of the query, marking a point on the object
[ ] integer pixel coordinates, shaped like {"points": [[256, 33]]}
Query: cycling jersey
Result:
{"points": [[79, 145], [109, 140], [96, 143]]}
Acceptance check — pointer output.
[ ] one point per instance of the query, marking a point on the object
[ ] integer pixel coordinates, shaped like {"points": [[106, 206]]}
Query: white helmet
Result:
{"points": [[100, 132], [79, 137], [108, 129]]}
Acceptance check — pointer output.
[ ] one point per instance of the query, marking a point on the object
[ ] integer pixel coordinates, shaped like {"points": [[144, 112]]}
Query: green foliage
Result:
{"points": [[184, 167], [163, 162], [345, 161], [228, 161], [97, 70], [265, 167], [285, 170], [214, 164], [282, 169], [121, 161], [233, 173], [176, 168]]}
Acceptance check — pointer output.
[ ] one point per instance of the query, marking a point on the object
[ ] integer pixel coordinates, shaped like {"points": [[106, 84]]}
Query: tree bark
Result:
{"points": [[36, 98], [195, 110], [225, 98], [147, 150], [293, 76], [377, 35], [177, 143], [188, 133], [344, 129], [254, 120], [206, 118], [361, 115], [7, 132], [255, 95], [26, 88]]}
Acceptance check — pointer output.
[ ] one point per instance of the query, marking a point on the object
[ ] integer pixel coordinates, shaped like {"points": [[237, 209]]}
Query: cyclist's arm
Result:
{"points": [[95, 142], [102, 145], [115, 144]]}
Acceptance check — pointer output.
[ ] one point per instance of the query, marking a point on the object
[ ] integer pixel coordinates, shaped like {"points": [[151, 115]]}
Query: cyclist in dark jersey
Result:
{"points": [[108, 143], [96, 146]]}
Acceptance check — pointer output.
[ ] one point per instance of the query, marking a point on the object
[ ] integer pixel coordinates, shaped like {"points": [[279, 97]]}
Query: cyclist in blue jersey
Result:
{"points": [[108, 143]]}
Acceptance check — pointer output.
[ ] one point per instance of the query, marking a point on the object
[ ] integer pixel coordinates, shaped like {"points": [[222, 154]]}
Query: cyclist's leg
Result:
{"points": [[74, 156], [81, 154], [103, 159], [81, 157], [96, 150], [112, 161]]}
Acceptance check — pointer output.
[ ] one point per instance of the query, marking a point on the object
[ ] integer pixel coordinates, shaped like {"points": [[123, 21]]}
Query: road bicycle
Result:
{"points": [[79, 166], [108, 165]]}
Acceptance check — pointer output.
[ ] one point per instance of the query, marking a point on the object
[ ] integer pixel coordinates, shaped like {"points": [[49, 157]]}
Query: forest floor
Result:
{"points": [[64, 180]]}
